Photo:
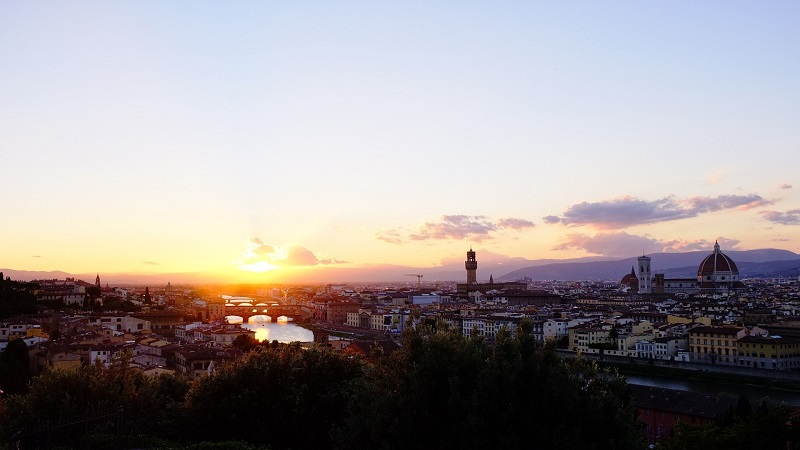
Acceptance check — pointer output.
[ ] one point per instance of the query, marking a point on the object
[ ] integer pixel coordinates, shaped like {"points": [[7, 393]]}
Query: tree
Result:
{"points": [[151, 405], [14, 368], [284, 396], [767, 428], [458, 392], [244, 342], [743, 408]]}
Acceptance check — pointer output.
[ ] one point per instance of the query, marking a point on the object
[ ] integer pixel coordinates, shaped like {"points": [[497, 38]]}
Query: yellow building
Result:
{"points": [[769, 352], [715, 345]]}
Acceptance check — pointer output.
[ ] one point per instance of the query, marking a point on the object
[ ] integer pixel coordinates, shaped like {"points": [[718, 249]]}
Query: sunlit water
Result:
{"points": [[281, 330]]}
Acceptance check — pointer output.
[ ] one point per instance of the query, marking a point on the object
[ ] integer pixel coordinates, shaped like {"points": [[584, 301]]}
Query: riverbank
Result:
{"points": [[647, 370]]}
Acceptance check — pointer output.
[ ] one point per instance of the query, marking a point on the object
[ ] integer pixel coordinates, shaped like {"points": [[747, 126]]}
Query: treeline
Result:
{"points": [[440, 391], [16, 298]]}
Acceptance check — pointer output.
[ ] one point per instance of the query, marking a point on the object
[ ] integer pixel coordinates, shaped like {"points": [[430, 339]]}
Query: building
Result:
{"points": [[717, 274], [645, 280], [472, 285], [769, 352], [715, 345], [660, 410], [199, 361]]}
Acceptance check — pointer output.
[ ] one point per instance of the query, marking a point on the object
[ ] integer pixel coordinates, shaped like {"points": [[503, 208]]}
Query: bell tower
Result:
{"points": [[472, 266], [645, 280]]}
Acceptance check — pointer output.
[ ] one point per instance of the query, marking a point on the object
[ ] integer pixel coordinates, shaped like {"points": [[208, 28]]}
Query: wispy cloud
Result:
{"points": [[715, 177], [457, 227], [391, 236], [36, 256], [515, 223], [622, 244], [150, 263], [629, 211], [784, 186], [260, 256], [791, 217]]}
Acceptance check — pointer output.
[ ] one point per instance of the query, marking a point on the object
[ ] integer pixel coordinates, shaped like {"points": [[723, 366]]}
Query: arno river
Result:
{"points": [[754, 393], [281, 331]]}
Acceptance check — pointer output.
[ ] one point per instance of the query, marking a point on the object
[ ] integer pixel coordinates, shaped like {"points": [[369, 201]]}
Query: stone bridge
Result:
{"points": [[246, 312]]}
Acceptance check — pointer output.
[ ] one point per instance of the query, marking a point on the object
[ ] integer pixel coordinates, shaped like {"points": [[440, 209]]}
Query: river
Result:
{"points": [[284, 332], [754, 393]]}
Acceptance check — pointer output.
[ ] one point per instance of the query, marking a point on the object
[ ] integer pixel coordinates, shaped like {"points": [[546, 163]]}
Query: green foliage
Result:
{"points": [[150, 404], [115, 304], [773, 428], [286, 396], [244, 342], [443, 390], [16, 298], [93, 291]]}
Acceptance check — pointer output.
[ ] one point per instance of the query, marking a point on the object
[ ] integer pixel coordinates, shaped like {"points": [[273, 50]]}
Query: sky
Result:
{"points": [[262, 139]]}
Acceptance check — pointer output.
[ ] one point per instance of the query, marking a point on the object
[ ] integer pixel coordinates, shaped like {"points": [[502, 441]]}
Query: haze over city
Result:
{"points": [[263, 140]]}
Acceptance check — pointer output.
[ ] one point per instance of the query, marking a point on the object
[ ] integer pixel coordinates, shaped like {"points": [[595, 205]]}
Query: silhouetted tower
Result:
{"points": [[472, 267], [645, 280], [97, 282], [147, 297]]}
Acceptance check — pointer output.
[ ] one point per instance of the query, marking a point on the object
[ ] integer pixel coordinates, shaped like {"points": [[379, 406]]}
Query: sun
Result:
{"points": [[258, 267]]}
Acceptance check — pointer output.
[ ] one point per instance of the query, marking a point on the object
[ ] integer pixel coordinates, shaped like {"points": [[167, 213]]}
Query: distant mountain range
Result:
{"points": [[751, 263]]}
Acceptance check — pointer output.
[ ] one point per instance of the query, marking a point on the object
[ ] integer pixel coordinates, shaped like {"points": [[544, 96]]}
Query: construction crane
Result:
{"points": [[419, 278]]}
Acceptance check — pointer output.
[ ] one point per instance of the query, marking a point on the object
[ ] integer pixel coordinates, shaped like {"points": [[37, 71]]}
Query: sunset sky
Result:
{"points": [[279, 136]]}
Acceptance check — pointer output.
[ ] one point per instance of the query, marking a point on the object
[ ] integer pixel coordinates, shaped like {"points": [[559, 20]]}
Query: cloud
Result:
{"points": [[150, 263], [36, 256], [791, 217], [391, 236], [619, 244], [677, 245], [457, 227], [622, 244], [515, 223], [260, 256], [551, 219], [698, 205], [784, 186], [715, 177], [476, 228], [486, 257], [628, 211]]}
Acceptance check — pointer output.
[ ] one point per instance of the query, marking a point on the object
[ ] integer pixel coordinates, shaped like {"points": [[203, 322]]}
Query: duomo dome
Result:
{"points": [[717, 268]]}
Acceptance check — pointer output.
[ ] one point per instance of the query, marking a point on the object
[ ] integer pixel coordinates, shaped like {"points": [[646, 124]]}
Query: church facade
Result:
{"points": [[717, 274]]}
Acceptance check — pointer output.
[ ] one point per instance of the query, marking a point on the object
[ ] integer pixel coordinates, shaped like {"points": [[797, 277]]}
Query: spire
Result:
{"points": [[716, 246], [491, 279]]}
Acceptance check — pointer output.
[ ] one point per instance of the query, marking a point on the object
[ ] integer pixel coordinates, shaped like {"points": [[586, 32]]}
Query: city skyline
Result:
{"points": [[259, 140]]}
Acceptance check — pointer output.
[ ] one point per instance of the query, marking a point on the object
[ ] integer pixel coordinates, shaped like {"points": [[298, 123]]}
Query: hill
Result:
{"points": [[751, 263]]}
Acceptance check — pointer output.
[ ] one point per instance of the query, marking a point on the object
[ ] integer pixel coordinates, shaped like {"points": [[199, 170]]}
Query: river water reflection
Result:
{"points": [[284, 332], [754, 393]]}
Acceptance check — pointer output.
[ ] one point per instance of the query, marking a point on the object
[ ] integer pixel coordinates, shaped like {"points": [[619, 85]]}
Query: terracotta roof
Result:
{"points": [[716, 262], [683, 402]]}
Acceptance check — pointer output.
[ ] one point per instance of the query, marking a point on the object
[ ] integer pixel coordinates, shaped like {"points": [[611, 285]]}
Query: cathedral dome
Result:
{"points": [[717, 267]]}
